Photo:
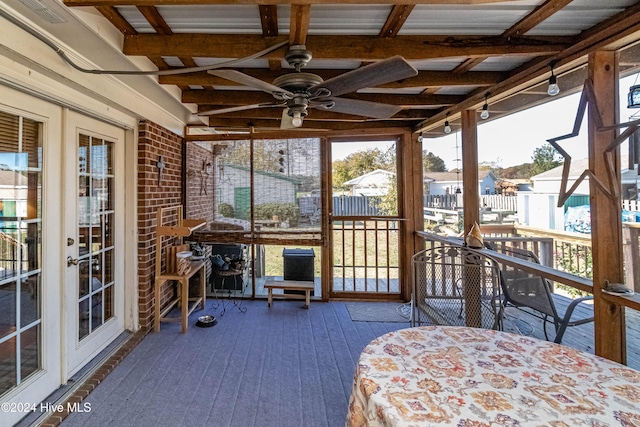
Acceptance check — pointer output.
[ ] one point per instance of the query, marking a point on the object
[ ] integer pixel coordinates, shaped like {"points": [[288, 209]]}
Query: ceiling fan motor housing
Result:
{"points": [[298, 56], [298, 104]]}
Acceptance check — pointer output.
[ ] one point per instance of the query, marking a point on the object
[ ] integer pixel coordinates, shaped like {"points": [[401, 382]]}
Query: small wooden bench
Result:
{"points": [[290, 285]]}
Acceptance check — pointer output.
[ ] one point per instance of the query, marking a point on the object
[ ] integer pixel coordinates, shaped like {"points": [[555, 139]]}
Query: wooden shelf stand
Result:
{"points": [[183, 228]]}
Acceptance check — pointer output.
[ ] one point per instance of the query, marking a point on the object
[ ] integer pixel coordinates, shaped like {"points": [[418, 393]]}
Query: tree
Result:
{"points": [[544, 158], [432, 163], [522, 171]]}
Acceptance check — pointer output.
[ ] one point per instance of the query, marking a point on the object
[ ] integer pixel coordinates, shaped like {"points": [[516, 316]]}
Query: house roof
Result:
{"points": [[454, 176], [275, 175], [576, 168], [370, 178], [11, 178], [465, 52]]}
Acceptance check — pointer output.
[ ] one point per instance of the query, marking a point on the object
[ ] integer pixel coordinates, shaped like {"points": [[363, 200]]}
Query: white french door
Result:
{"points": [[30, 218], [94, 196]]}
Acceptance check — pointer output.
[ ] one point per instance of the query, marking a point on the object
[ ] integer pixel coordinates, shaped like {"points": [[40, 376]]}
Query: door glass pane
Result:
{"points": [[95, 231], [108, 267], [8, 361], [83, 318], [29, 355], [84, 162], [84, 277], [96, 310], [107, 226], [8, 319], [108, 302], [30, 304], [20, 248]]}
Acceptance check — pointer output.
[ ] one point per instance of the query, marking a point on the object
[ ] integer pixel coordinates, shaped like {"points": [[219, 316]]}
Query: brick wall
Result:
{"points": [[154, 141], [199, 183]]}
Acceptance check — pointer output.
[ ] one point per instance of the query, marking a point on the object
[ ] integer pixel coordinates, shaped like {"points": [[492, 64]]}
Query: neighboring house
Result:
{"points": [[539, 207], [441, 183], [549, 181], [376, 183], [234, 187]]}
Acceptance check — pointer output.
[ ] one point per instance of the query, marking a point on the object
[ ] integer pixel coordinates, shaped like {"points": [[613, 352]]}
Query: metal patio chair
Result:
{"points": [[533, 295], [454, 285]]}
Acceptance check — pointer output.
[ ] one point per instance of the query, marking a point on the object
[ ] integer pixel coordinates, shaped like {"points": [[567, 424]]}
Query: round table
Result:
{"points": [[467, 377]]}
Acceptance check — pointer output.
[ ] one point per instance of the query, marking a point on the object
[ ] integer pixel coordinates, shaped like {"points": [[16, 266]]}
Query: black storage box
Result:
{"points": [[298, 265]]}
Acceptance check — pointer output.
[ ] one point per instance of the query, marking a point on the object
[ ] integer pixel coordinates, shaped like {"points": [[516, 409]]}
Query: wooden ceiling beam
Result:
{"points": [[396, 19], [423, 79], [269, 20], [352, 47], [245, 97], [118, 21], [468, 65], [299, 23], [538, 15], [156, 20]]}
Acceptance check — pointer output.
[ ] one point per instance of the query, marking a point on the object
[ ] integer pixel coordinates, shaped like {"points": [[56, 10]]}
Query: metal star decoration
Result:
{"points": [[612, 190]]}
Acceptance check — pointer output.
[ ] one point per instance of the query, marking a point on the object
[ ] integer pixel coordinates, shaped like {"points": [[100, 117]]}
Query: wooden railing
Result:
{"points": [[572, 251], [555, 272]]}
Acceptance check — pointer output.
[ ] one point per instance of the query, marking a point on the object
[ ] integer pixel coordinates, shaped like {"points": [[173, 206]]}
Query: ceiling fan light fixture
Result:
{"points": [[297, 119]]}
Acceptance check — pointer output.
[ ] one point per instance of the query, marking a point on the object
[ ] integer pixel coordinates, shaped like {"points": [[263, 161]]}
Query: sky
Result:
{"points": [[511, 140]]}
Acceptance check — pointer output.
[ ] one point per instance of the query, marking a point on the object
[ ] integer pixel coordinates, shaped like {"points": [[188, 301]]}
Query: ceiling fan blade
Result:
{"points": [[381, 72], [362, 108], [247, 80], [236, 108]]}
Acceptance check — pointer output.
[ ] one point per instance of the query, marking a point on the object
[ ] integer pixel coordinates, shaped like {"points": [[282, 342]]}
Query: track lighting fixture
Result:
{"points": [[485, 108], [447, 127], [553, 88]]}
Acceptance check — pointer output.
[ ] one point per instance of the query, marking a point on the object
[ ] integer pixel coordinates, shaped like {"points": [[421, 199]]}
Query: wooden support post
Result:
{"points": [[410, 205], [471, 203], [606, 216], [326, 250], [470, 195]]}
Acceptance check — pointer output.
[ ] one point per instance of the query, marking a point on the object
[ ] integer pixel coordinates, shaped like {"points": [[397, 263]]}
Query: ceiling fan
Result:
{"points": [[298, 91]]}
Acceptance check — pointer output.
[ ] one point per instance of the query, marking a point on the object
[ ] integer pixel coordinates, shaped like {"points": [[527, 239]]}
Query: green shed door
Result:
{"points": [[242, 202]]}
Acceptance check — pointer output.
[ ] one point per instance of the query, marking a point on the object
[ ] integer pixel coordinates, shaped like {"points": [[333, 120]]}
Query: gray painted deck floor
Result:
{"points": [[283, 366]]}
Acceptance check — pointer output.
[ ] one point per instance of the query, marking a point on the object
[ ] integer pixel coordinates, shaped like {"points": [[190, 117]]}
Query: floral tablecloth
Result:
{"points": [[466, 377]]}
